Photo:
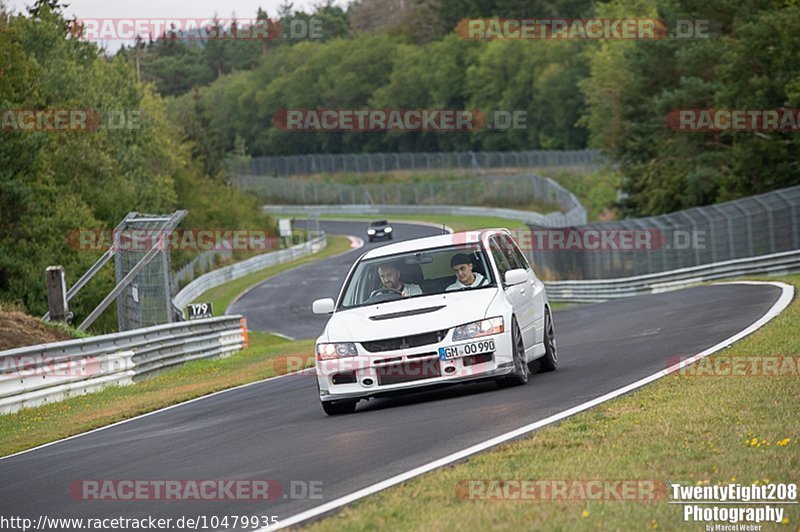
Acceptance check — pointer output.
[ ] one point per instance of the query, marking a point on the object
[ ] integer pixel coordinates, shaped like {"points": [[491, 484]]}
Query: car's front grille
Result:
{"points": [[405, 342], [409, 371]]}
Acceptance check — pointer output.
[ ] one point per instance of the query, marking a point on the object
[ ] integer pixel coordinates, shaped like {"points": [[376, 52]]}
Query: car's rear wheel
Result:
{"points": [[549, 362], [338, 408], [520, 374]]}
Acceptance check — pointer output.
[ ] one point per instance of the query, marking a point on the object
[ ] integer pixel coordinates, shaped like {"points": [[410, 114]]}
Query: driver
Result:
{"points": [[390, 277], [461, 265]]}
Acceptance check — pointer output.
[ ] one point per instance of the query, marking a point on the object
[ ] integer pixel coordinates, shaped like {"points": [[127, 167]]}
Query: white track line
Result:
{"points": [[777, 308], [783, 302], [176, 405]]}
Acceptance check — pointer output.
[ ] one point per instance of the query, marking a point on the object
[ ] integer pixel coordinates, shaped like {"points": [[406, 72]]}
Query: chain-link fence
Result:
{"points": [[147, 300], [202, 263], [294, 165], [526, 191], [749, 227]]}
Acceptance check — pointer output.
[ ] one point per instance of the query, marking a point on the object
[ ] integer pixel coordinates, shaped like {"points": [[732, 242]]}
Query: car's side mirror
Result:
{"points": [[516, 276], [323, 306]]}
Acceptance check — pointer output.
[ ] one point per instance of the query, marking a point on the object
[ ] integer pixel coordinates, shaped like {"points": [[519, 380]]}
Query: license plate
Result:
{"points": [[463, 350]]}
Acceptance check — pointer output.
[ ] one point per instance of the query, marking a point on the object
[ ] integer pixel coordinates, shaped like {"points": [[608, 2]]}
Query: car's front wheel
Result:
{"points": [[520, 374], [338, 408]]}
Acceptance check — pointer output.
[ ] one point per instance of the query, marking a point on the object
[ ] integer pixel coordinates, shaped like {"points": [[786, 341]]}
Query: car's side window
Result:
{"points": [[513, 251], [499, 258]]}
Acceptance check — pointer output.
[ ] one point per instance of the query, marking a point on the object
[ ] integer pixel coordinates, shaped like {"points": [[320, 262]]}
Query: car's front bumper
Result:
{"points": [[390, 372]]}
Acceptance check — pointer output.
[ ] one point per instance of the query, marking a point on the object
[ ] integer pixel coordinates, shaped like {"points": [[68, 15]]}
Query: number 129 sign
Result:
{"points": [[200, 310]]}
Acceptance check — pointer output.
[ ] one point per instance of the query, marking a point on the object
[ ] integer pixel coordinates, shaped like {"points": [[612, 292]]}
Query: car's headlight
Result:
{"points": [[338, 350], [387, 230], [478, 328], [370, 231]]}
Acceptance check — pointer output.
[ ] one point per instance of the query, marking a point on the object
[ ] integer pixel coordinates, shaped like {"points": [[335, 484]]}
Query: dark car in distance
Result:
{"points": [[379, 229]]}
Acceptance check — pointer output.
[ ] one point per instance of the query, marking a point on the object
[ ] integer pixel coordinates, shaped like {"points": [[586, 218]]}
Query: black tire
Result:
{"points": [[520, 375], [549, 362], [371, 239], [338, 408], [390, 236]]}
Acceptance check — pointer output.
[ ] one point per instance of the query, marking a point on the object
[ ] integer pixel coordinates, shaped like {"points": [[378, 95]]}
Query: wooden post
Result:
{"points": [[56, 293]]}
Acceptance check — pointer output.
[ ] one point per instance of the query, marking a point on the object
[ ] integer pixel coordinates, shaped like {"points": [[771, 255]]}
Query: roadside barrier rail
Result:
{"points": [[45, 373], [590, 291], [235, 271]]}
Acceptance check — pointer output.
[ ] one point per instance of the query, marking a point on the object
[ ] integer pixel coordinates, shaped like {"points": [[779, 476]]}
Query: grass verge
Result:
{"points": [[597, 190], [703, 430]]}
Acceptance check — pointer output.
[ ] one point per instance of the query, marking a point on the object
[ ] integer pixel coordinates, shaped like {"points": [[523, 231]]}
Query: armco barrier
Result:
{"points": [[495, 190], [603, 289], [223, 275], [38, 374], [576, 216]]}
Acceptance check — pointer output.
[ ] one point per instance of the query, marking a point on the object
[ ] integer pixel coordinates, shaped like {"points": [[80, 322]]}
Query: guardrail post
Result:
{"points": [[793, 207], [770, 223], [245, 337]]}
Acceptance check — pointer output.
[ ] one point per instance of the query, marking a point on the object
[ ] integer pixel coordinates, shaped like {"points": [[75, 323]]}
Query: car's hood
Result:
{"points": [[408, 316]]}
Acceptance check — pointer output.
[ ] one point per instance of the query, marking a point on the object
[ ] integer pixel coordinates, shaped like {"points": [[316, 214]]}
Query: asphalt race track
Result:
{"points": [[282, 304], [276, 429]]}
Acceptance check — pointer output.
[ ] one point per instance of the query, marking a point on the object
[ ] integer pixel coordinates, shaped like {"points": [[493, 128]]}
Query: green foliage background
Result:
{"points": [[205, 101], [613, 95], [55, 183]]}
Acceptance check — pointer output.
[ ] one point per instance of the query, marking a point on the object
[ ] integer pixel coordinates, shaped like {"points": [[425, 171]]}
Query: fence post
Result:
{"points": [[795, 239], [713, 231], [56, 293], [770, 223]]}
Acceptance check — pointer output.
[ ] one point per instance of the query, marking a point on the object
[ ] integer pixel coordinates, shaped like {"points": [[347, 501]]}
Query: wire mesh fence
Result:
{"points": [[295, 165], [748, 227], [147, 300], [522, 191]]}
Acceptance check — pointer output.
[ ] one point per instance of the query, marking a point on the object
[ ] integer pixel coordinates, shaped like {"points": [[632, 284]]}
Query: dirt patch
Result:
{"points": [[18, 330]]}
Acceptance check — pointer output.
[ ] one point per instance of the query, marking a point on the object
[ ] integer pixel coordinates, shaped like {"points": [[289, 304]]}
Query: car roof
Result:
{"points": [[379, 222], [430, 242]]}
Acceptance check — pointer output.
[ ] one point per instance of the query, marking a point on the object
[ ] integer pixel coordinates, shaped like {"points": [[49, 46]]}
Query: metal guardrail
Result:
{"points": [[576, 216], [492, 190], [604, 289], [38, 374], [232, 272]]}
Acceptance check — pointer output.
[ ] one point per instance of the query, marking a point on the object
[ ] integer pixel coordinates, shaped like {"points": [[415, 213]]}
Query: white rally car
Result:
{"points": [[433, 311]]}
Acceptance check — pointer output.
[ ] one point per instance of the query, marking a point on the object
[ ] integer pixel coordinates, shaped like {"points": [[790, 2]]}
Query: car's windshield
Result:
{"points": [[417, 274]]}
